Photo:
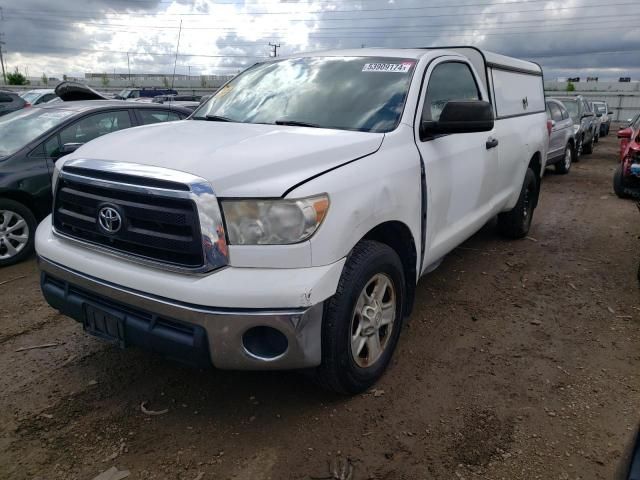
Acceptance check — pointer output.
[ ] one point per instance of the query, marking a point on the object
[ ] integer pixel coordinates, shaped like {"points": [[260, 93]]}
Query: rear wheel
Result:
{"points": [[362, 320], [17, 229], [516, 222], [564, 165], [588, 147], [618, 183]]}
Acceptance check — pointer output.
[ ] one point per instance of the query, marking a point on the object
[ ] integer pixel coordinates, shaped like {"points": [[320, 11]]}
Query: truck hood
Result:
{"points": [[238, 159]]}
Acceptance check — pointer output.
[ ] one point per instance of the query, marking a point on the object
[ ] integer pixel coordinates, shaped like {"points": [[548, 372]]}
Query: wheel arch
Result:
{"points": [[25, 199], [535, 164], [397, 235]]}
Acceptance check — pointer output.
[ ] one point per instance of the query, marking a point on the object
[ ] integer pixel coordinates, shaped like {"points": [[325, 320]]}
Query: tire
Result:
{"points": [[618, 183], [588, 148], [564, 165], [341, 370], [16, 242], [578, 150], [516, 222]]}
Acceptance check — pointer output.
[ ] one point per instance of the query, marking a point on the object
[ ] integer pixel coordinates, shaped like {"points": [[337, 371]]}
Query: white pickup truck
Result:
{"points": [[286, 223]]}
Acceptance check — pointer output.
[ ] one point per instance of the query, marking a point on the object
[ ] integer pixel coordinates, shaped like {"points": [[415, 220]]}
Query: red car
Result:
{"points": [[626, 179]]}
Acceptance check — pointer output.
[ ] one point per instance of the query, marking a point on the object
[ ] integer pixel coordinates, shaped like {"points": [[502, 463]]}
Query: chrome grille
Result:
{"points": [[159, 225]]}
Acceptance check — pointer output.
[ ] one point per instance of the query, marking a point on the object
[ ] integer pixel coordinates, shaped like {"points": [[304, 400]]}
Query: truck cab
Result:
{"points": [[286, 224]]}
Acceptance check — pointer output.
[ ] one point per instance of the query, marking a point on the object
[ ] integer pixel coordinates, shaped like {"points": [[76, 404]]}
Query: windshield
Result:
{"points": [[348, 93], [572, 108], [19, 128], [124, 94], [600, 108], [30, 96]]}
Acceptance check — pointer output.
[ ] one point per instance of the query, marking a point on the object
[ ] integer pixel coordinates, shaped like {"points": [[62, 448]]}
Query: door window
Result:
{"points": [[148, 117], [449, 81], [4, 98], [95, 126], [556, 114]]}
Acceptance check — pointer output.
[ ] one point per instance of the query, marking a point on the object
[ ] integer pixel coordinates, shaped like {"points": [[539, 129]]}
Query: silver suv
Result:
{"points": [[561, 139], [584, 123]]}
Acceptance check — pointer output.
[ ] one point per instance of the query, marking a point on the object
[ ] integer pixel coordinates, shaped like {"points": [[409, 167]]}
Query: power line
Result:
{"points": [[535, 23], [356, 10], [70, 13]]}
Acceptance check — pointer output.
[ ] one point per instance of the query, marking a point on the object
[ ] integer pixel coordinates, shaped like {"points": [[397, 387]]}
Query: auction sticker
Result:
{"points": [[388, 67]]}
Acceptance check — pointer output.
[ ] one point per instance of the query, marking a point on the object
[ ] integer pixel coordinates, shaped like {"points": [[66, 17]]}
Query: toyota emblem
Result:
{"points": [[109, 219]]}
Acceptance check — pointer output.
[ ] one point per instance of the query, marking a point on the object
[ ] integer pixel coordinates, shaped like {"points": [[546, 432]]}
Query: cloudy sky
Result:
{"points": [[569, 37]]}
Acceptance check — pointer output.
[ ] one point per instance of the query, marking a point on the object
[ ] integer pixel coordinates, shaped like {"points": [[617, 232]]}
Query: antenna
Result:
{"points": [[173, 78], [275, 46]]}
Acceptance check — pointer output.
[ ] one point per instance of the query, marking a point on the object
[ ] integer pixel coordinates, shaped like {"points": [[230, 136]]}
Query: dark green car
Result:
{"points": [[32, 139]]}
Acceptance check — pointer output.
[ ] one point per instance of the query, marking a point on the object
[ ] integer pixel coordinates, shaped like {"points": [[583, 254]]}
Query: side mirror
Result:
{"points": [[625, 133], [69, 148], [460, 117], [598, 115]]}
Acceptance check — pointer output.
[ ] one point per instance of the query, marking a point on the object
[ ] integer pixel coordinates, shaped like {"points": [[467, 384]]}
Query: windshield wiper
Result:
{"points": [[216, 118], [295, 123]]}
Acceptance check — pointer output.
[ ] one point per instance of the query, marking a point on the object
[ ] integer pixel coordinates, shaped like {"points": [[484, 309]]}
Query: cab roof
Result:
{"points": [[490, 58]]}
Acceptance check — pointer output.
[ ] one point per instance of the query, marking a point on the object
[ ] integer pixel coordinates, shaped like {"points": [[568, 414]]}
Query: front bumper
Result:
{"points": [[194, 334]]}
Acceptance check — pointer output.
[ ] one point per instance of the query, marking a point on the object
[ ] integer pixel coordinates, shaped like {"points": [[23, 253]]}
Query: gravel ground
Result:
{"points": [[520, 361]]}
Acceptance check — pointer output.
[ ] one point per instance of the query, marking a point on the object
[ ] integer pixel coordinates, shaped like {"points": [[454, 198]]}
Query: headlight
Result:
{"points": [[575, 129], [273, 222]]}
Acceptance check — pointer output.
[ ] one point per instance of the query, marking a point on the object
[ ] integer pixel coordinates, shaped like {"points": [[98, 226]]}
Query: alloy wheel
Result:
{"points": [[567, 159], [372, 321], [14, 234]]}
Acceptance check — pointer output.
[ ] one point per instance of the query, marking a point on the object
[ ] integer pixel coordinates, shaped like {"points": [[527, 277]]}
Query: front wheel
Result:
{"points": [[516, 222], [17, 230], [362, 321], [618, 183], [564, 165], [578, 150]]}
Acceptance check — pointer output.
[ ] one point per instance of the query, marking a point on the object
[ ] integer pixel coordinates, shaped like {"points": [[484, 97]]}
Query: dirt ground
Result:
{"points": [[520, 361]]}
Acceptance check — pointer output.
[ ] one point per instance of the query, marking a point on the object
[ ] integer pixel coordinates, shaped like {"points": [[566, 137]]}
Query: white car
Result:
{"points": [[286, 224], [38, 96]]}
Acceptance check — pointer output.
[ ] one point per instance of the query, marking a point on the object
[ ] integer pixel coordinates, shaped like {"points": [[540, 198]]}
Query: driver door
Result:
{"points": [[460, 168]]}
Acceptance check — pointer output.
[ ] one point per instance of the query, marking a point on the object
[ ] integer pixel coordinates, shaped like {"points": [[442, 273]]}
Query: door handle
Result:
{"points": [[491, 143]]}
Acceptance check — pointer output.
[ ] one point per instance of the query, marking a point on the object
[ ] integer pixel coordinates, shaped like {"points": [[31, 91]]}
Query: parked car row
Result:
{"points": [[575, 126]]}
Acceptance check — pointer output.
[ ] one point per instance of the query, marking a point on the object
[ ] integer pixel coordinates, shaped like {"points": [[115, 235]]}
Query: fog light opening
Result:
{"points": [[265, 342]]}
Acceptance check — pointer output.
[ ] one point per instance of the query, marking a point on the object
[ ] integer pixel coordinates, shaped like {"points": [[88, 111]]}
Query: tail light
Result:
{"points": [[26, 104], [549, 127]]}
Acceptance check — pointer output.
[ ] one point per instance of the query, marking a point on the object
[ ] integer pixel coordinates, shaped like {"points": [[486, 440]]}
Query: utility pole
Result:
{"points": [[4, 75], [275, 47], [173, 78], [129, 69]]}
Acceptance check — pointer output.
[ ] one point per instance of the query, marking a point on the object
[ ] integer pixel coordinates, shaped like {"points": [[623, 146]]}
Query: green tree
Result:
{"points": [[64, 77], [105, 80], [16, 78], [571, 87], [165, 82], [45, 80]]}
